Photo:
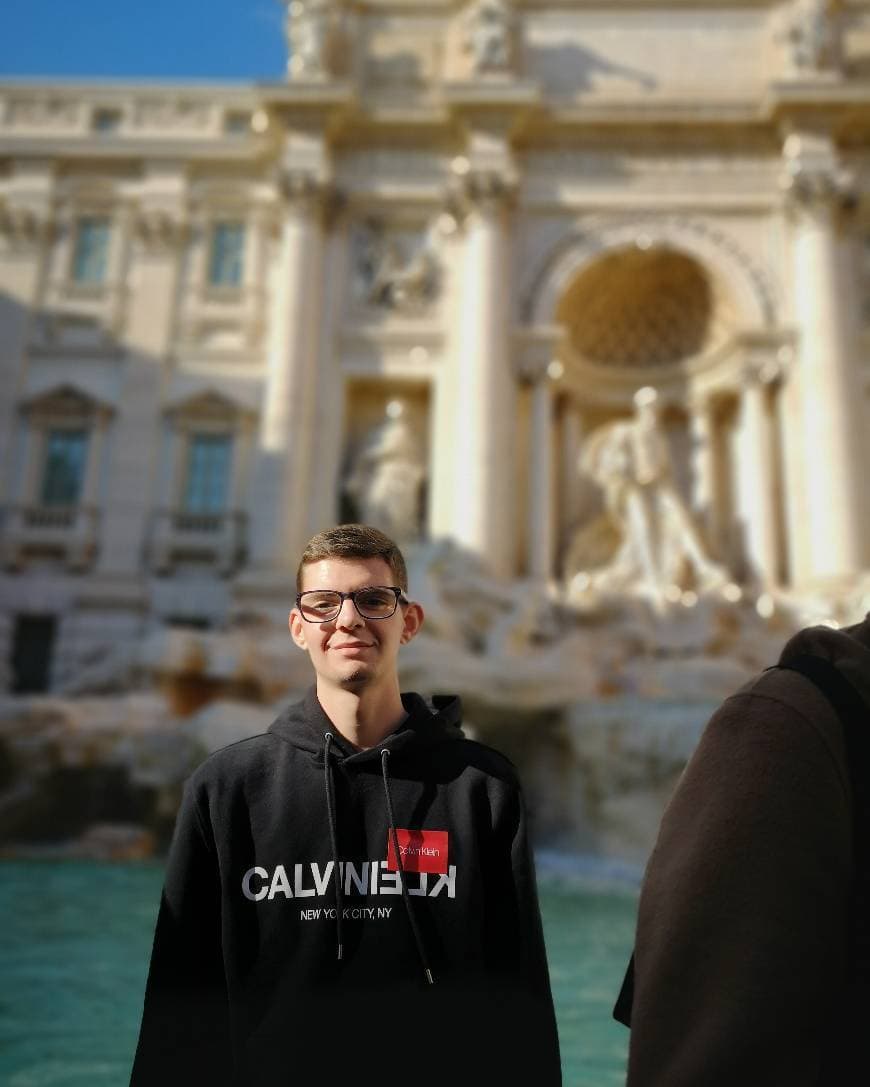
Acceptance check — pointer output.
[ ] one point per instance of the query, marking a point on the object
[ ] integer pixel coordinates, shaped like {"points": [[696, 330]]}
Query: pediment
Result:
{"points": [[67, 401], [208, 404]]}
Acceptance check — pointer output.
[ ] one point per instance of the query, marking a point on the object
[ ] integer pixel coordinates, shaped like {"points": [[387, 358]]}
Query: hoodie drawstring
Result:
{"points": [[418, 939], [330, 808]]}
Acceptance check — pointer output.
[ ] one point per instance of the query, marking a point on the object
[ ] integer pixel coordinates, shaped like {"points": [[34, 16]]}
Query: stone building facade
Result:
{"points": [[405, 284]]}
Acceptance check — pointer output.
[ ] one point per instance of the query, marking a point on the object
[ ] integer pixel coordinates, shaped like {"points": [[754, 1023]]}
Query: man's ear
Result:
{"points": [[297, 628], [413, 622]]}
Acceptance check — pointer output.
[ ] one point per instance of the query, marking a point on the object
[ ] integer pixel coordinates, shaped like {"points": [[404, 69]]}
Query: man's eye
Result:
{"points": [[320, 603]]}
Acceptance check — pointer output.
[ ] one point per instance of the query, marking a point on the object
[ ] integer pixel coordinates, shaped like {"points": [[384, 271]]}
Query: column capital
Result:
{"points": [[536, 352], [486, 191], [23, 229], [813, 179], [530, 370], [759, 371], [819, 187], [161, 231], [307, 195]]}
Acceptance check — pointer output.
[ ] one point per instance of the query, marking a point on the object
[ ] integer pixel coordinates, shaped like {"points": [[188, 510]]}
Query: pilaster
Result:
{"points": [[483, 513], [820, 196]]}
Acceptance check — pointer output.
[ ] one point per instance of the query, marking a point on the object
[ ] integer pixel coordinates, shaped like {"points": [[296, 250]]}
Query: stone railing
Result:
{"points": [[69, 534], [213, 539], [125, 111]]}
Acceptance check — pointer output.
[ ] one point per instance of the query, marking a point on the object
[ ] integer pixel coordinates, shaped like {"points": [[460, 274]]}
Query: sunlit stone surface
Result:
{"points": [[570, 299]]}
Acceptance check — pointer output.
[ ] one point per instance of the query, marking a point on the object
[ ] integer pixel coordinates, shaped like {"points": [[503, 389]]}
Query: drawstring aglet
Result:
{"points": [[429, 977], [340, 950]]}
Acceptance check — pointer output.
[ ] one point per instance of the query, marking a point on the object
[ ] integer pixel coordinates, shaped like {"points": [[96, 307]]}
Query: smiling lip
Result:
{"points": [[356, 645]]}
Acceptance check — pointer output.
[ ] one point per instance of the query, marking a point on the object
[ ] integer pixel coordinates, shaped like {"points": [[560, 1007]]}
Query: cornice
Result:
{"points": [[121, 149]]}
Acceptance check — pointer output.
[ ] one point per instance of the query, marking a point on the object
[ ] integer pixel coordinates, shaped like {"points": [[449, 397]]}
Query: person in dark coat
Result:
{"points": [[750, 961]]}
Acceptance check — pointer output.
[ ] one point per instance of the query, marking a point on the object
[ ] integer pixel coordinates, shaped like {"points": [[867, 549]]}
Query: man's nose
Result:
{"points": [[348, 616]]}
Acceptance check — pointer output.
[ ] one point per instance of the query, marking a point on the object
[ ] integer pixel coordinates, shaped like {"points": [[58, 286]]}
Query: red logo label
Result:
{"points": [[421, 850]]}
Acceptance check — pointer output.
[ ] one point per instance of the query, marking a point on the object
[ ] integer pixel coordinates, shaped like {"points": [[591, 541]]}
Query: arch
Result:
{"points": [[752, 293]]}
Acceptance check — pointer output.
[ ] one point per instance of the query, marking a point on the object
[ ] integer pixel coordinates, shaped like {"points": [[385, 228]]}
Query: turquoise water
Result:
{"points": [[75, 939]]}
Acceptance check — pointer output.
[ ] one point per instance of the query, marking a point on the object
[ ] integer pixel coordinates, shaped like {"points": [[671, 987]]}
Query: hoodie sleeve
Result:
{"points": [[184, 1034], [524, 1002], [740, 946]]}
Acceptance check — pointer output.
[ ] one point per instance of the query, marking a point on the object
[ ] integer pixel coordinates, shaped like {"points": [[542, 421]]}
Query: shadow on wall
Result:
{"points": [[573, 69]]}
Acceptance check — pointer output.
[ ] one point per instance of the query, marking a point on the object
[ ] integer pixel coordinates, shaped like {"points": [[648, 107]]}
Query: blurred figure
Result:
{"points": [[752, 955]]}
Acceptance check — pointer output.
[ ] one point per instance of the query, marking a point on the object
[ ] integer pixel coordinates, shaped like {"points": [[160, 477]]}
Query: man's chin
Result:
{"points": [[359, 677]]}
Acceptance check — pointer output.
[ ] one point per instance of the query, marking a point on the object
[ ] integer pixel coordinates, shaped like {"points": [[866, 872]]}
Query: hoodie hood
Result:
{"points": [[304, 724], [846, 648]]}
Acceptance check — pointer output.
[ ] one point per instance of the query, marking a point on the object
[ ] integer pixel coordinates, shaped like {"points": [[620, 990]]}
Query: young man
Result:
{"points": [[752, 955], [350, 897]]}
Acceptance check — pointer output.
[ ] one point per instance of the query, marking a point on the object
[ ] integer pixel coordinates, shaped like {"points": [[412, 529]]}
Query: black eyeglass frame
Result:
{"points": [[400, 599]]}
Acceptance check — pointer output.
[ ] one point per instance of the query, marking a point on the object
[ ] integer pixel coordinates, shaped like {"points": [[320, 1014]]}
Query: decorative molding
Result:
{"points": [[395, 269], [485, 191], [67, 402], [488, 34], [812, 31], [171, 113], [160, 231], [23, 230], [819, 187], [312, 28]]}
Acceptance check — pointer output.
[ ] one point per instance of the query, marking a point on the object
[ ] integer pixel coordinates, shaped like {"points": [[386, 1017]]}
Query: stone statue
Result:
{"points": [[387, 277], [387, 474], [812, 29], [631, 462], [308, 28], [487, 29]]}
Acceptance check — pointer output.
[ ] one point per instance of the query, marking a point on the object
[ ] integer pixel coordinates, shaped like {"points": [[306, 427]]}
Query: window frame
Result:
{"points": [[43, 496], [196, 435], [79, 259], [215, 260]]}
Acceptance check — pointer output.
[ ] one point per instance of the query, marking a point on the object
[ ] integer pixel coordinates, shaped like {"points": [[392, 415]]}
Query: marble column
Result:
{"points": [[485, 391], [703, 485], [280, 490], [829, 391], [540, 478], [756, 483], [570, 497]]}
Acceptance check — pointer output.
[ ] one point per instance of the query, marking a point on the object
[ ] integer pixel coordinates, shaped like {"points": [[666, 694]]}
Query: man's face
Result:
{"points": [[349, 651]]}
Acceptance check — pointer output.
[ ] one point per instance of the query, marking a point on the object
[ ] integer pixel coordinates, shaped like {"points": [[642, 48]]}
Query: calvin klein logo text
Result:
{"points": [[367, 878]]}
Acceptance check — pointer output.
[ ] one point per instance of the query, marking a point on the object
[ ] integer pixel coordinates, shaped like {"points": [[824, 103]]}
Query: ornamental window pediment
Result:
{"points": [[208, 406], [65, 403]]}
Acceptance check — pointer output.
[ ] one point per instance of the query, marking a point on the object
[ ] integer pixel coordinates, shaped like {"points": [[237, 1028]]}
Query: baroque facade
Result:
{"points": [[411, 283]]}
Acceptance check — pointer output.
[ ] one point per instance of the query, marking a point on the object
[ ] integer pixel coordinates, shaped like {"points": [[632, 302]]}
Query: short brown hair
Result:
{"points": [[354, 541]]}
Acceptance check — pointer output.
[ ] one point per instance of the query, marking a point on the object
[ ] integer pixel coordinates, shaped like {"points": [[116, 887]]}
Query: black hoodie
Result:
{"points": [[743, 971], [266, 968]]}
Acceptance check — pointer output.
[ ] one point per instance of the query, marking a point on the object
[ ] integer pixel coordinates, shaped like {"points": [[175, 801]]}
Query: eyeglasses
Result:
{"points": [[375, 602]]}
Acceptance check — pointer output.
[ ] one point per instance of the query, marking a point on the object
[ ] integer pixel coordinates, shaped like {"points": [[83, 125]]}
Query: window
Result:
{"points": [[237, 123], [227, 244], [33, 639], [91, 250], [64, 469], [208, 473], [106, 120]]}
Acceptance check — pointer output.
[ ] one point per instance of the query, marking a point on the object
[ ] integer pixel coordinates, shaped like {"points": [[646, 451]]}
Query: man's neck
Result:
{"points": [[363, 717]]}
